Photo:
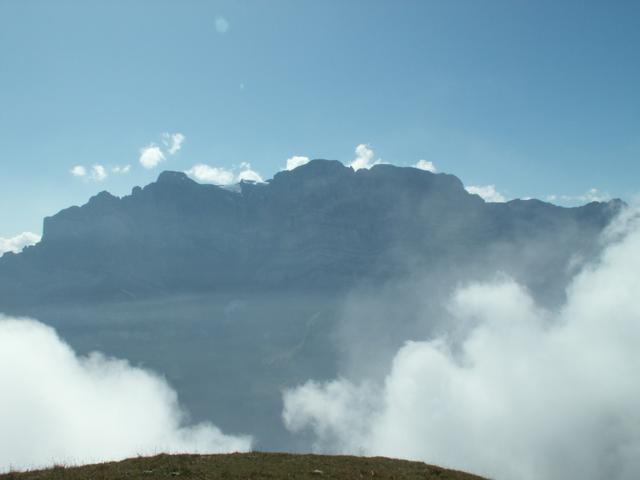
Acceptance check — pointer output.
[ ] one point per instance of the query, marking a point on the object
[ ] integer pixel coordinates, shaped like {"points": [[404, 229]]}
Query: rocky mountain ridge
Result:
{"points": [[321, 226]]}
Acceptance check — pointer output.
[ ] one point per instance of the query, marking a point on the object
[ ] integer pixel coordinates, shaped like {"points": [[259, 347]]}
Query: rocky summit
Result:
{"points": [[319, 227]]}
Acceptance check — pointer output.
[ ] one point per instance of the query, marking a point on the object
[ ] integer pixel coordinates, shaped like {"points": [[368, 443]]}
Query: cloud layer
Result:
{"points": [[58, 407], [17, 243], [526, 394]]}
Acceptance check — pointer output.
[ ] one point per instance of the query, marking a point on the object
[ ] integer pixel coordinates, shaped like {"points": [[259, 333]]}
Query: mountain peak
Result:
{"points": [[174, 178]]}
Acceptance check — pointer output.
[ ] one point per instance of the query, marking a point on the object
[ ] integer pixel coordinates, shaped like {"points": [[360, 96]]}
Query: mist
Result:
{"points": [[514, 388], [60, 408]]}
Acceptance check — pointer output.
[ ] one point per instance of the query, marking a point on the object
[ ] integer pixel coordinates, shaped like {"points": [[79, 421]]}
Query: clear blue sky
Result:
{"points": [[535, 97]]}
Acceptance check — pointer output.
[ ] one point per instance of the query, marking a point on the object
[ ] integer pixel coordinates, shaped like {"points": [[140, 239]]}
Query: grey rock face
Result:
{"points": [[320, 227]]}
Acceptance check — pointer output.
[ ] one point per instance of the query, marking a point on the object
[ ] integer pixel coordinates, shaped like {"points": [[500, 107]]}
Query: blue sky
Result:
{"points": [[538, 98]]}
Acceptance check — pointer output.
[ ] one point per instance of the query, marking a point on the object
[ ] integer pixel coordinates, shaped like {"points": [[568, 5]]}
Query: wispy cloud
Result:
{"points": [[121, 169], [591, 195], [98, 173], [487, 192], [222, 25], [173, 142], [426, 165], [296, 161], [17, 243]]}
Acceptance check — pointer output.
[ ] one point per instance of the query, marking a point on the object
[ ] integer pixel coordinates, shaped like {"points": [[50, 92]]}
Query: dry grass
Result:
{"points": [[247, 466]]}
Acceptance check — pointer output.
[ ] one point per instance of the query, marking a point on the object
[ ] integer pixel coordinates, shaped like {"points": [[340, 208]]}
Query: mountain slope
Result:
{"points": [[321, 227]]}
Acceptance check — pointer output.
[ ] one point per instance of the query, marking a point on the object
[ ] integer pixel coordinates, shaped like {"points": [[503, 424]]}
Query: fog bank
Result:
{"points": [[57, 407], [527, 393]]}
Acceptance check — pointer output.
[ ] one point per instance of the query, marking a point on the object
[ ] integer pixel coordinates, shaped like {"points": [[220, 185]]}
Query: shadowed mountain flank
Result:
{"points": [[320, 227]]}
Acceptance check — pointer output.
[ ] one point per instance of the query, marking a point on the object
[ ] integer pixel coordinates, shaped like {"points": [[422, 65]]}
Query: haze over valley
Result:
{"points": [[317, 233]]}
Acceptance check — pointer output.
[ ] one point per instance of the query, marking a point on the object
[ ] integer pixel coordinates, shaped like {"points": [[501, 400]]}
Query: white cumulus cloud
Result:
{"points": [[206, 174], [487, 192], [527, 394], [296, 161], [364, 158], [248, 174], [426, 165], [58, 407], [78, 171], [151, 156], [17, 243], [173, 142]]}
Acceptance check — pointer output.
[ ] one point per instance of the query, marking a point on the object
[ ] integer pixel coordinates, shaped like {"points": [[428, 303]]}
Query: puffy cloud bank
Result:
{"points": [[17, 243], [58, 407], [526, 394]]}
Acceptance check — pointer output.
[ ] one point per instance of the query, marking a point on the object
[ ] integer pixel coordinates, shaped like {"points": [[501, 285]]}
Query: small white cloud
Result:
{"points": [[248, 174], [173, 142], [98, 173], [487, 192], [595, 195], [123, 169], [223, 176], [426, 165], [207, 174], [364, 158], [151, 156], [78, 171], [296, 161], [17, 243], [87, 409], [222, 25], [591, 195]]}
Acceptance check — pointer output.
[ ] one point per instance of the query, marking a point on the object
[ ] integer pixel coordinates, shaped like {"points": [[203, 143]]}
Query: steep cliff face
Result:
{"points": [[321, 226]]}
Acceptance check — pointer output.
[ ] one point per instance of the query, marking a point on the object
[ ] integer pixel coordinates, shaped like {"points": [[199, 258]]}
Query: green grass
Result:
{"points": [[247, 466]]}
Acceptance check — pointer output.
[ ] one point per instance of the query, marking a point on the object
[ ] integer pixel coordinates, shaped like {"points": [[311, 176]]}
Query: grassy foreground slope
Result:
{"points": [[248, 466]]}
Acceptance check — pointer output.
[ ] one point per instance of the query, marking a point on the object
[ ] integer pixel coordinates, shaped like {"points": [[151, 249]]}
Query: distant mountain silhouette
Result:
{"points": [[321, 227]]}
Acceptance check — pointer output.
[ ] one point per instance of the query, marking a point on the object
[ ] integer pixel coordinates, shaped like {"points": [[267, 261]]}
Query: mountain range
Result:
{"points": [[320, 227]]}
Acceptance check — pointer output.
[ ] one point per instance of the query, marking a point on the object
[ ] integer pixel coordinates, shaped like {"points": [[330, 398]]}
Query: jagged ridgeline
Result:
{"points": [[320, 227]]}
